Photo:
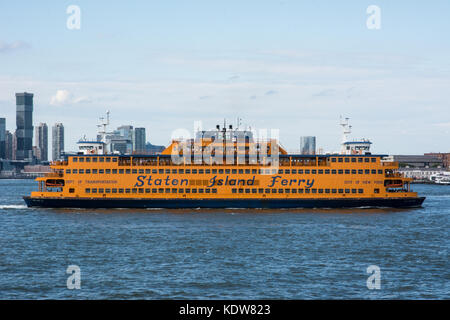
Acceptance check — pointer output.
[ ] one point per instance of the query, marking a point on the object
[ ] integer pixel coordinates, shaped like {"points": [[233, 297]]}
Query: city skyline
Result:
{"points": [[164, 69]]}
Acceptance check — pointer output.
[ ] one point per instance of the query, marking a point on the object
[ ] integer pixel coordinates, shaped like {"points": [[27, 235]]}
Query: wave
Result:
{"points": [[13, 206]]}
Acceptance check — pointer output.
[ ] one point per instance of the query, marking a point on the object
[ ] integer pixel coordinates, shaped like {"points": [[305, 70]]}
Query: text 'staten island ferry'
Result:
{"points": [[224, 168]]}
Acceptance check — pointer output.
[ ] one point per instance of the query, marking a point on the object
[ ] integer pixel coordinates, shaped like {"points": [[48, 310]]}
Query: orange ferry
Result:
{"points": [[184, 176]]}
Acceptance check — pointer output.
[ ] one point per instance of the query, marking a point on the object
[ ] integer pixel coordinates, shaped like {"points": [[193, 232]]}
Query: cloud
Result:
{"points": [[64, 97], [13, 46], [271, 92]]}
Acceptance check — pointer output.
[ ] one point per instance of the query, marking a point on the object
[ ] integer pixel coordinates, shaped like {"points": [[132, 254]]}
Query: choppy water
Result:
{"points": [[212, 254]]}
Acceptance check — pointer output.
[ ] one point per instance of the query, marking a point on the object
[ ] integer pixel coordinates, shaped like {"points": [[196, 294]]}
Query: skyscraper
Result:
{"points": [[139, 140], [24, 124], [42, 141], [307, 145], [8, 145], [2, 138], [57, 141]]}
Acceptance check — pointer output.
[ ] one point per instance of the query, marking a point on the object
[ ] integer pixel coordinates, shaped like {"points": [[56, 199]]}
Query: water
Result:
{"points": [[223, 254]]}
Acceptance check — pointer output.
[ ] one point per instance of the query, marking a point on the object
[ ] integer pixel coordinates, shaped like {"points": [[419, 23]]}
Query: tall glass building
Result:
{"points": [[2, 138], [57, 141], [42, 141], [24, 125], [139, 140]]}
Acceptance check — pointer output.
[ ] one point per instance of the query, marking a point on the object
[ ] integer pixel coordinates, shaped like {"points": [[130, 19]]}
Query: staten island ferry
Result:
{"points": [[224, 168]]}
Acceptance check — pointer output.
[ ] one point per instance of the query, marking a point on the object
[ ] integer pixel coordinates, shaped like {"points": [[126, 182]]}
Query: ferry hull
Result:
{"points": [[222, 203]]}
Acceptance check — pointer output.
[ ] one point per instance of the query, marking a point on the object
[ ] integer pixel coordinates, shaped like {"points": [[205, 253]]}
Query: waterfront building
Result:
{"points": [[139, 140], [24, 125], [445, 157], [8, 145], [2, 138], [57, 141], [308, 145], [42, 141]]}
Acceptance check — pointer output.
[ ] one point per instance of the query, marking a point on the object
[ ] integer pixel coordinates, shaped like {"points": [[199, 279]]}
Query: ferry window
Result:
{"points": [[87, 190], [353, 159], [108, 159], [75, 171], [167, 190], [188, 171], [360, 160], [147, 171], [376, 190], [81, 159], [274, 190], [353, 171], [314, 190], [81, 171], [227, 171], [307, 191], [127, 190], [207, 171], [214, 190], [214, 171], [154, 190], [340, 171], [134, 171], [108, 171], [208, 190], [380, 171], [339, 159], [333, 159], [121, 190], [360, 190], [220, 171], [307, 171], [161, 171], [274, 171], [287, 171], [327, 190], [300, 190], [261, 190], [160, 190], [146, 190], [233, 190], [174, 171], [300, 171], [374, 171], [287, 190], [247, 190], [314, 171], [267, 190], [94, 171], [94, 190], [120, 171], [94, 159], [100, 190], [181, 171], [194, 190], [373, 159], [367, 171], [254, 171], [234, 171], [320, 171], [67, 170], [114, 190], [280, 171], [347, 159], [347, 190], [127, 171], [320, 190], [107, 190], [360, 171], [174, 190], [114, 159], [88, 171], [294, 171], [88, 159], [200, 190], [141, 190], [75, 159], [101, 171], [333, 191], [101, 159], [333, 171], [241, 171], [114, 171], [247, 171], [188, 190], [353, 190], [294, 190], [347, 171], [180, 190], [141, 171], [366, 159], [168, 171]]}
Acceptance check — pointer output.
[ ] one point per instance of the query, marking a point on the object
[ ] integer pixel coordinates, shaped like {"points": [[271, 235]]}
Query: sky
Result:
{"points": [[296, 66]]}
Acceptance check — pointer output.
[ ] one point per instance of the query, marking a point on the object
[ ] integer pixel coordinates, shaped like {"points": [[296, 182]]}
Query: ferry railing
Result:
{"points": [[54, 175]]}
